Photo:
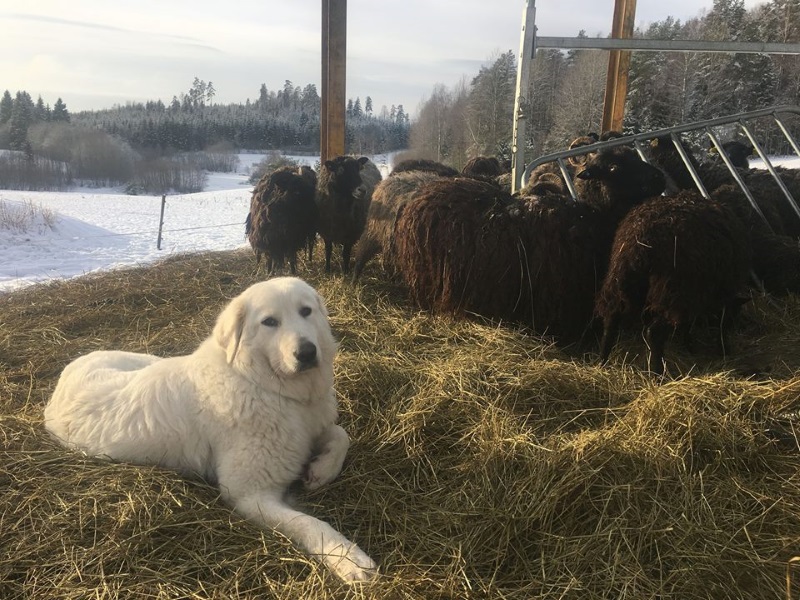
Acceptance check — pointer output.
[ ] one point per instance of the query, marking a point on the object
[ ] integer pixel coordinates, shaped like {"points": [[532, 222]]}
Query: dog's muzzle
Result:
{"points": [[306, 355]]}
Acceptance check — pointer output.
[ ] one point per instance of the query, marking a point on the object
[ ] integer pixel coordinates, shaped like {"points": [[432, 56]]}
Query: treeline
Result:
{"points": [[156, 148], [286, 119], [664, 89], [17, 114]]}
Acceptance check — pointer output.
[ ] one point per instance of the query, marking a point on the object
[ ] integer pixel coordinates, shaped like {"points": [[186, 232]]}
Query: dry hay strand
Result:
{"points": [[485, 462]]}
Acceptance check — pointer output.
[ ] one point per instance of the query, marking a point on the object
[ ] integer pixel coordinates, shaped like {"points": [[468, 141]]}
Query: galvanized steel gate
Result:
{"points": [[530, 42], [741, 122]]}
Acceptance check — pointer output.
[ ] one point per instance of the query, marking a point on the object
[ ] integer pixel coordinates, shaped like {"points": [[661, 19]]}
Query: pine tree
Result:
{"points": [[60, 112], [310, 100], [6, 104], [368, 106], [40, 111], [21, 119], [263, 97], [210, 92]]}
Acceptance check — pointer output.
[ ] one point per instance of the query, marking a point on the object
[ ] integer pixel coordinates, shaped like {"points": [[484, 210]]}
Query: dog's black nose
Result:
{"points": [[306, 354]]}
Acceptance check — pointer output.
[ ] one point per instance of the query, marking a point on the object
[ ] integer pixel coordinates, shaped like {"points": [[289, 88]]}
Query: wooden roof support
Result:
{"points": [[334, 76], [619, 62]]}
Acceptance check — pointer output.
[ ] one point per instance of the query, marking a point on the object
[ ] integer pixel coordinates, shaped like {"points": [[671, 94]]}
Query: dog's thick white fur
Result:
{"points": [[252, 409]]}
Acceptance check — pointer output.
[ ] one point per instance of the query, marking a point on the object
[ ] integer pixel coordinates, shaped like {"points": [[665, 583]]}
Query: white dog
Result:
{"points": [[252, 409]]}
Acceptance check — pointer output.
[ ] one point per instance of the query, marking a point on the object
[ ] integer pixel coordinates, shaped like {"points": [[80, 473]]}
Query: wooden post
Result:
{"points": [[619, 62], [334, 75], [161, 221]]}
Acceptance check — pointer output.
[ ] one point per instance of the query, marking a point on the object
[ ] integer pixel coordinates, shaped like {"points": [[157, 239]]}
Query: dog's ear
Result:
{"points": [[229, 327], [321, 304]]}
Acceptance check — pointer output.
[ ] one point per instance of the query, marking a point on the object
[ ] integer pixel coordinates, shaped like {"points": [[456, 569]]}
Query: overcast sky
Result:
{"points": [[97, 53]]}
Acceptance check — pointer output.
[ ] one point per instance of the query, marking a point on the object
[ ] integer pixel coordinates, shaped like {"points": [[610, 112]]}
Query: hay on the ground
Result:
{"points": [[486, 463]]}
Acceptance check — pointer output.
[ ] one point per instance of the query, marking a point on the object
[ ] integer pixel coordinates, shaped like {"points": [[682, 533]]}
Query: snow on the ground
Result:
{"points": [[93, 231], [73, 233]]}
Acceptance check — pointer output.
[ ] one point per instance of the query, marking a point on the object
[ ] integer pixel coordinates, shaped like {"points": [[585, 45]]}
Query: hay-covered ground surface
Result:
{"points": [[485, 463]]}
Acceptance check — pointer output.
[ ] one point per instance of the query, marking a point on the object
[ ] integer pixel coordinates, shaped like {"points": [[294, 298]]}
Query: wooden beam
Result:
{"points": [[619, 62], [334, 77]]}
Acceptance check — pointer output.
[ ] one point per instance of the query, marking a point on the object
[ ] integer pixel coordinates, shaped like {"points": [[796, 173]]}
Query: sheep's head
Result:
{"points": [[482, 166], [616, 178], [288, 181], [344, 176], [738, 152]]}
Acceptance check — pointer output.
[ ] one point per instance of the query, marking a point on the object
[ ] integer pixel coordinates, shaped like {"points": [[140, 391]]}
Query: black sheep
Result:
{"points": [[283, 216], [738, 152], [344, 191], [674, 259]]}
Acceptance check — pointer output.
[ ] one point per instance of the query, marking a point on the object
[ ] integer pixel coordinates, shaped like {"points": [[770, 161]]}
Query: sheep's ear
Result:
{"points": [[587, 173], [228, 330], [363, 160], [330, 165]]}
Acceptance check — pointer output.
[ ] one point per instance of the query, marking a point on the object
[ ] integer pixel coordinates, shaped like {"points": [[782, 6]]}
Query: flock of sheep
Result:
{"points": [[640, 245]]}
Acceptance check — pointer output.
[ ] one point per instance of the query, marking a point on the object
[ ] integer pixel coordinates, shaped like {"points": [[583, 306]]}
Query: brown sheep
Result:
{"points": [[673, 259], [283, 216], [482, 166], [550, 174], [466, 247], [423, 164], [389, 195], [738, 153], [768, 196]]}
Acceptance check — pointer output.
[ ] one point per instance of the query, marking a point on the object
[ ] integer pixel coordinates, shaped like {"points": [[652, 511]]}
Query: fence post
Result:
{"points": [[161, 221]]}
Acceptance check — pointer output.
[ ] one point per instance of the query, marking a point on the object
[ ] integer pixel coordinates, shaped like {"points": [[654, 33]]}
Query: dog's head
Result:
{"points": [[277, 327]]}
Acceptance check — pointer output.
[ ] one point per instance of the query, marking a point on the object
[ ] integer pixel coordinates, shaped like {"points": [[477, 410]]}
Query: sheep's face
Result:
{"points": [[618, 178], [284, 182], [737, 152], [344, 176]]}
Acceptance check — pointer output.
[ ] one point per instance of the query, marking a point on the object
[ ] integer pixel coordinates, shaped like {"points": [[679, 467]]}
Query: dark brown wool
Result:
{"points": [[283, 216], [464, 246], [389, 195], [776, 209], [423, 164], [673, 259]]}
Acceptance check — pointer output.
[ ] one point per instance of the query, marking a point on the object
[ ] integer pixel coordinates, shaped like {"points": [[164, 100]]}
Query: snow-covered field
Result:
{"points": [[57, 235], [61, 235]]}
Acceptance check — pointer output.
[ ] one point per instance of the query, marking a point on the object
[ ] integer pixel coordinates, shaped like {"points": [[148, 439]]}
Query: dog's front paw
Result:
{"points": [[322, 469], [351, 564]]}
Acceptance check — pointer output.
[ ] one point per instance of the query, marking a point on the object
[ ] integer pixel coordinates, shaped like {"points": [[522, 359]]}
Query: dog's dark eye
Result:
{"points": [[305, 311], [270, 322]]}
